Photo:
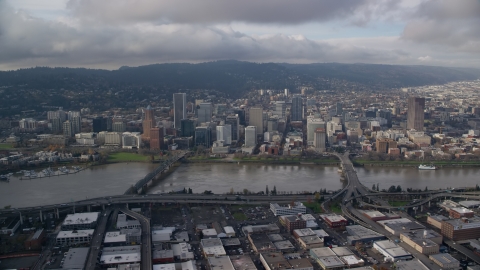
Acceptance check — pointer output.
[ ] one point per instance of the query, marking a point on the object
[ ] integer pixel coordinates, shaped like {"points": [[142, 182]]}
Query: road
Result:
{"points": [[146, 238], [97, 239]]}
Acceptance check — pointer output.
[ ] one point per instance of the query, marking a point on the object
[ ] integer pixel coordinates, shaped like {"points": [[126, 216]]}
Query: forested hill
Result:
{"points": [[236, 77]]}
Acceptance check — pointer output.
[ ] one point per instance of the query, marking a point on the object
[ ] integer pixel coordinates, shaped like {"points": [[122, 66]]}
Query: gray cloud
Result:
{"points": [[446, 23], [221, 11]]}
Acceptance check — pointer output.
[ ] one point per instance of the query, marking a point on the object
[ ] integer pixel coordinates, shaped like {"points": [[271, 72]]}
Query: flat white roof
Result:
{"points": [[332, 261], [125, 254], [77, 233], [209, 232], [308, 217], [373, 214], [342, 251], [461, 210], [75, 258], [333, 217], [322, 252], [321, 233], [351, 260], [115, 237], [228, 229], [304, 232], [81, 218], [469, 204], [167, 266], [414, 264]]}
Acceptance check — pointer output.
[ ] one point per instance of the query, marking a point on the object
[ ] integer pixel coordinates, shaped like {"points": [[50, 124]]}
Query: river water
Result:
{"points": [[221, 178], [97, 181], [114, 179]]}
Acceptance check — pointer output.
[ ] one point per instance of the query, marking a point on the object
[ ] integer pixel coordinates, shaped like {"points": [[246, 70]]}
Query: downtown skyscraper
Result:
{"points": [[415, 113], [179, 109], [296, 113]]}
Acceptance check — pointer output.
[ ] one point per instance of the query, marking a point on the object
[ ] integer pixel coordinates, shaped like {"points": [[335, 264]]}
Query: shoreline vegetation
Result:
{"points": [[413, 163]]}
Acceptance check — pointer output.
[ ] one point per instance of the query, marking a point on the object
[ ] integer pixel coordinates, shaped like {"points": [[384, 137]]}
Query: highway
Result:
{"points": [[97, 239], [146, 238]]}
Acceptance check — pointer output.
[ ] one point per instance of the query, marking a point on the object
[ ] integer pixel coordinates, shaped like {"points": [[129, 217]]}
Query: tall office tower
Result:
{"points": [[233, 121], [280, 108], [99, 124], [312, 125], [287, 92], [119, 126], [204, 112], [156, 138], [187, 128], [339, 109], [415, 114], [241, 116], [148, 122], [179, 109], [224, 133], [67, 129], [76, 124], [296, 113], [320, 139], [72, 114], [250, 136], [256, 119], [57, 126], [203, 136]]}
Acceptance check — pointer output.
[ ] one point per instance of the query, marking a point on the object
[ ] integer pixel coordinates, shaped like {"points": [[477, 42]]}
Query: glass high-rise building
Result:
{"points": [[296, 112], [179, 109]]}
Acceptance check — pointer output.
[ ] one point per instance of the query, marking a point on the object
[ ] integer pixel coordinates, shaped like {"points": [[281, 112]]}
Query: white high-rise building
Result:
{"points": [[280, 108], [320, 139], [224, 133], [250, 136], [312, 125], [179, 108]]}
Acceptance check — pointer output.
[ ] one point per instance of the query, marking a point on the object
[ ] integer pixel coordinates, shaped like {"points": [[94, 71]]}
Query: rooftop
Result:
{"points": [[300, 263], [311, 239], [167, 266], [286, 244], [81, 218], [342, 251], [322, 252], [351, 260], [361, 232], [115, 237], [470, 204], [333, 217], [461, 210], [414, 264], [211, 242], [444, 258], [220, 263], [118, 255], [230, 242], [330, 262], [242, 262], [304, 232], [75, 258], [77, 233]]}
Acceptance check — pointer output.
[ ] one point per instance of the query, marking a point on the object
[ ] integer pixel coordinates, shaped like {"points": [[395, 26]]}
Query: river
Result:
{"points": [[114, 179], [97, 181]]}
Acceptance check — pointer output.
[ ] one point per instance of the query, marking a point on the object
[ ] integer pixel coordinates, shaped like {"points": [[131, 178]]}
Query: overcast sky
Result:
{"points": [[112, 33]]}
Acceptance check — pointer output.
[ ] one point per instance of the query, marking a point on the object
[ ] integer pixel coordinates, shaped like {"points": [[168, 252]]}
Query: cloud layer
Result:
{"points": [[112, 33]]}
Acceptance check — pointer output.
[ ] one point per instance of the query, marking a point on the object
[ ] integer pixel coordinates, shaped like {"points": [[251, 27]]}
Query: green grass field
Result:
{"points": [[4, 146], [126, 157], [397, 203], [336, 208], [239, 216]]}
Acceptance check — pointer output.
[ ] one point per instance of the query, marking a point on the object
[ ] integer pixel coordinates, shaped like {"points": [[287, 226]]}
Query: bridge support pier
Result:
{"points": [[21, 218], [103, 206], [127, 206], [41, 216], [57, 213], [429, 203], [88, 208], [421, 208]]}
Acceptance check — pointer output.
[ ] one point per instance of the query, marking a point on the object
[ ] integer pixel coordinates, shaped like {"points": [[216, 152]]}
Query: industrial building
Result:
{"points": [[445, 260], [326, 258], [401, 225], [391, 251], [414, 264], [358, 233], [423, 244], [295, 209], [212, 247], [80, 221]]}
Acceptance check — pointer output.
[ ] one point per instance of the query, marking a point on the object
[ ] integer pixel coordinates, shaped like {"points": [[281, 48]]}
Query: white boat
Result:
{"points": [[427, 167]]}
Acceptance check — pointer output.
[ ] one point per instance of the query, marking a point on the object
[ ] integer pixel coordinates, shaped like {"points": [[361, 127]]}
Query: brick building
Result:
{"points": [[293, 222]]}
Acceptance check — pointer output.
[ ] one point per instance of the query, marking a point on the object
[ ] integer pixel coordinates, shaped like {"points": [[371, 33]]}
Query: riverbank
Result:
{"points": [[265, 161], [440, 163]]}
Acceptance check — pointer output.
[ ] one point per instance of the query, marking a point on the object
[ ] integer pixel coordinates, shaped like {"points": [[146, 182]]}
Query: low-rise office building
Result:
{"points": [[113, 239], [80, 221], [115, 256], [310, 241], [326, 258], [461, 229], [66, 238], [293, 223], [391, 251], [295, 209]]}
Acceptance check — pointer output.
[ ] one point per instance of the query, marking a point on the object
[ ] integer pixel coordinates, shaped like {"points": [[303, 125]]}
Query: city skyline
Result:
{"points": [[110, 34]]}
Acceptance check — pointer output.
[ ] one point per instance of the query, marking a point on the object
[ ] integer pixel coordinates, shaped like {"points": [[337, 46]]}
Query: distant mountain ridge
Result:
{"points": [[236, 77]]}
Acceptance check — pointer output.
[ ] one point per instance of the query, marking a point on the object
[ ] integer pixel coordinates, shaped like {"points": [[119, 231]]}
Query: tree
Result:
{"points": [[317, 196], [392, 188], [245, 191], [266, 190], [274, 191], [399, 188], [190, 191], [373, 187], [426, 188], [232, 191]]}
